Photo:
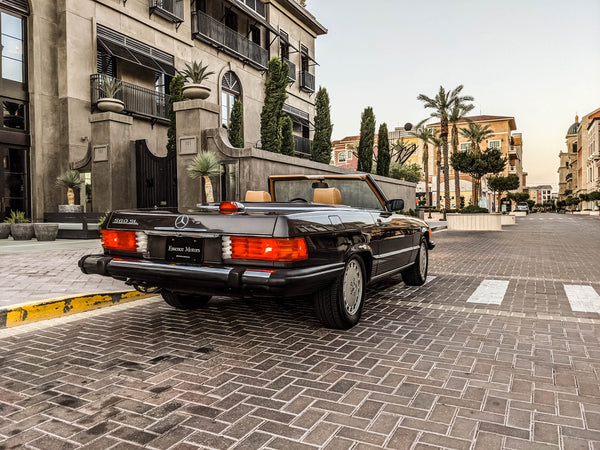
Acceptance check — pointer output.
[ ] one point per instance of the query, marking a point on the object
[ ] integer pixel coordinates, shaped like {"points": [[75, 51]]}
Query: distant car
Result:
{"points": [[523, 206], [325, 235]]}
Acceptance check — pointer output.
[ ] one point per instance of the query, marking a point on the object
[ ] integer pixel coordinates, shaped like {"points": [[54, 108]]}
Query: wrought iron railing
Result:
{"points": [[230, 41], [302, 146], [169, 9], [292, 66], [307, 81], [138, 100]]}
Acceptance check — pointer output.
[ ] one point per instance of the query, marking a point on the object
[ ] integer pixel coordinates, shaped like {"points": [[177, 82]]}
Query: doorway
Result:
{"points": [[14, 180]]}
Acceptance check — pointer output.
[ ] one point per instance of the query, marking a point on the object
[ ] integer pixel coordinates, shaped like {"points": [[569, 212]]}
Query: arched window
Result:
{"points": [[230, 91]]}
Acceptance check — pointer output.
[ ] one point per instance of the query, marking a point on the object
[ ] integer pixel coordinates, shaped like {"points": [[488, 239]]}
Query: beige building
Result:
{"points": [[579, 170], [504, 138], [55, 52]]}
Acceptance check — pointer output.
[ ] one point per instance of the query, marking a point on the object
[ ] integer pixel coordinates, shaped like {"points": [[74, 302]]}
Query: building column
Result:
{"points": [[193, 118], [113, 169]]}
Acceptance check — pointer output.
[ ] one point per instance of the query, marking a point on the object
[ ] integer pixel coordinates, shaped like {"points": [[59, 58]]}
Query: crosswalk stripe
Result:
{"points": [[490, 292], [582, 298]]}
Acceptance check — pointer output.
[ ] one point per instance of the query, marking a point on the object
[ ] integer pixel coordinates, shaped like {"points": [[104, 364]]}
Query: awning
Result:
{"points": [[254, 15], [21, 6], [298, 116], [133, 51]]}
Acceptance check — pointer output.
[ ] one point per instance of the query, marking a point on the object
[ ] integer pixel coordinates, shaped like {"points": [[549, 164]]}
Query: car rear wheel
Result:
{"points": [[185, 301], [417, 274], [340, 304]]}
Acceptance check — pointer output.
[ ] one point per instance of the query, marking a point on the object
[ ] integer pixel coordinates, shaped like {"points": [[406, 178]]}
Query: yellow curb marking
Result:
{"points": [[28, 313]]}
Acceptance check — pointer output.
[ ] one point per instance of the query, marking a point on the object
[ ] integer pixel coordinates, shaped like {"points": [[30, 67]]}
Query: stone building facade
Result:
{"points": [[60, 50]]}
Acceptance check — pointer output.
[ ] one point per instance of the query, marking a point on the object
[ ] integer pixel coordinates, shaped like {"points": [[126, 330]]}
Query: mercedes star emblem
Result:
{"points": [[181, 222]]}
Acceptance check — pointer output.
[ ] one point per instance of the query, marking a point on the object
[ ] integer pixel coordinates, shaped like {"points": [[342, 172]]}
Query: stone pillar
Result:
{"points": [[113, 171], [193, 117]]}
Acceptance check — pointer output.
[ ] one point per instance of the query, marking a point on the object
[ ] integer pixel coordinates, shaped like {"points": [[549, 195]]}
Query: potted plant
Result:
{"points": [[45, 231], [69, 179], [195, 74], [204, 166], [20, 227], [109, 89]]}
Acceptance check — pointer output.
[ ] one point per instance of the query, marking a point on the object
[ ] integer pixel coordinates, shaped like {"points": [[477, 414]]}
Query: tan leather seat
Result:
{"points": [[257, 196], [329, 196]]}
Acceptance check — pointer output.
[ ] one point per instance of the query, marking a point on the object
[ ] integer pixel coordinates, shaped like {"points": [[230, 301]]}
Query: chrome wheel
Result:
{"points": [[353, 286], [423, 260]]}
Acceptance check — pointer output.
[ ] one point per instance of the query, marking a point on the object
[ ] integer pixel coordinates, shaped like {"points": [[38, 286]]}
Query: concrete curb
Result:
{"points": [[24, 313]]}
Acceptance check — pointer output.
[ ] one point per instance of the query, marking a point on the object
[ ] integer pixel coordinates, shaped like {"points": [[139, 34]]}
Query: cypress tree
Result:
{"points": [[176, 95], [287, 136], [275, 95], [383, 151], [367, 139], [235, 125], [321, 146]]}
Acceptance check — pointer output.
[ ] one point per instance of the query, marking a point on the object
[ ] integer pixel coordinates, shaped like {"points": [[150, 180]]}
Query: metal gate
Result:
{"points": [[156, 178]]}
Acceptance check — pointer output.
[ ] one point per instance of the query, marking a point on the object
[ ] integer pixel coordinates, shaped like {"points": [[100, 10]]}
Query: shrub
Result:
{"points": [[473, 210]]}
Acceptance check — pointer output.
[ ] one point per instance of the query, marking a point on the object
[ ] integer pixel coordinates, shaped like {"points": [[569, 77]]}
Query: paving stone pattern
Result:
{"points": [[423, 369], [32, 270]]}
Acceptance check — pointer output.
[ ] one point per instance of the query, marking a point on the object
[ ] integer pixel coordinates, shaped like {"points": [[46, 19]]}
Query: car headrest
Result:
{"points": [[257, 196], [329, 196]]}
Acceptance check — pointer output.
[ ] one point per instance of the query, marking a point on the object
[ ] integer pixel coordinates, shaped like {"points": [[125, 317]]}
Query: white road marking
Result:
{"points": [[583, 298], [490, 292]]}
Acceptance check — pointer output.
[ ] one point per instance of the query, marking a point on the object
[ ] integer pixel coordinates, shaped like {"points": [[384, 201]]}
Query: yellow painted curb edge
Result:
{"points": [[12, 316]]}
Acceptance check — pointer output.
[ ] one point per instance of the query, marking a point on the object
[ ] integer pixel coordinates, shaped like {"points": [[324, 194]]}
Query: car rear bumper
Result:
{"points": [[214, 280]]}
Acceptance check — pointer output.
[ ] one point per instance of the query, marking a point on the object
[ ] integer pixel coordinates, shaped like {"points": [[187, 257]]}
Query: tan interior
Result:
{"points": [[257, 196], [329, 196]]}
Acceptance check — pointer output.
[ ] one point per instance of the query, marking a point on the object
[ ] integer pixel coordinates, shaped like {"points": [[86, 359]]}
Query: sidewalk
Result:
{"points": [[33, 271]]}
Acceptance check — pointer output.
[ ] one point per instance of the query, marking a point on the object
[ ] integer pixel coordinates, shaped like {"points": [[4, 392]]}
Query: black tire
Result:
{"points": [[341, 308], [185, 301], [417, 274]]}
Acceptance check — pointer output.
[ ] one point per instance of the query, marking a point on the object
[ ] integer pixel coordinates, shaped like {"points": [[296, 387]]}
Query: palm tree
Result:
{"points": [[438, 143], [442, 104], [476, 134], [457, 114], [203, 166], [424, 134]]}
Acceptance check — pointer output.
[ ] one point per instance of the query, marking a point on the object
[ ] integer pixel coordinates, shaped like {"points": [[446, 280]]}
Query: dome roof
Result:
{"points": [[573, 128]]}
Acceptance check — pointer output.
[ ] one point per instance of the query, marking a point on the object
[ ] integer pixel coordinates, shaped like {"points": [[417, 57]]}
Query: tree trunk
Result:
{"points": [[444, 136], [70, 196], [456, 172], [426, 173], [438, 184]]}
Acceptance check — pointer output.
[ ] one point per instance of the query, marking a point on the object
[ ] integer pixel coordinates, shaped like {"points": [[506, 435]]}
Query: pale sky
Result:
{"points": [[535, 60]]}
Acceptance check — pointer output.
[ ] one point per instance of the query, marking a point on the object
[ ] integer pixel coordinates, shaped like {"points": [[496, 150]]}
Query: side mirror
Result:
{"points": [[396, 204]]}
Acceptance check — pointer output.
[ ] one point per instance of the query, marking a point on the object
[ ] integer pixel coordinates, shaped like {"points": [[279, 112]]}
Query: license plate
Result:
{"points": [[184, 249]]}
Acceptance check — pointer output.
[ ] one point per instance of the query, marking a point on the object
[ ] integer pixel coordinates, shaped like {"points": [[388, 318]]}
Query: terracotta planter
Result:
{"points": [[4, 230], [45, 231], [110, 104], [194, 91], [21, 231]]}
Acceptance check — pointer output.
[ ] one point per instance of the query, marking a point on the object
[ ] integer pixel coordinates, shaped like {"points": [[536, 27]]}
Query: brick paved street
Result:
{"points": [[442, 365]]}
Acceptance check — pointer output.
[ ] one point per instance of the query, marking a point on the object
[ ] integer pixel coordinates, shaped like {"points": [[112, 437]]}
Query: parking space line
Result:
{"points": [[583, 298], [490, 292]]}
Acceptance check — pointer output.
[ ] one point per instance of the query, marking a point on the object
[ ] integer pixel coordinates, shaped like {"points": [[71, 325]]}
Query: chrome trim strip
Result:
{"points": [[397, 252]]}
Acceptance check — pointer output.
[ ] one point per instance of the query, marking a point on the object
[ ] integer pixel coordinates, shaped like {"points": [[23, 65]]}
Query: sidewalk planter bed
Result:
{"points": [[508, 220], [518, 213], [21, 231], [45, 231], [474, 222], [4, 230]]}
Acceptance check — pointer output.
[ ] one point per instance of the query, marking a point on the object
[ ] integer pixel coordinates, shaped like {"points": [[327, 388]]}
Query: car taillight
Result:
{"points": [[231, 207], [264, 249], [129, 241]]}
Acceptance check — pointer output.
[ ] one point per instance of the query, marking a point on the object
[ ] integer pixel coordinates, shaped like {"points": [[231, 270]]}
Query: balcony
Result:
{"points": [[307, 81], [292, 66], [513, 151], [214, 33], [302, 146], [168, 9], [512, 169], [139, 101]]}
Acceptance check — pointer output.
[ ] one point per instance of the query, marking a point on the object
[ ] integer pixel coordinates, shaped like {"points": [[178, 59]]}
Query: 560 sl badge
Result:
{"points": [[120, 221]]}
